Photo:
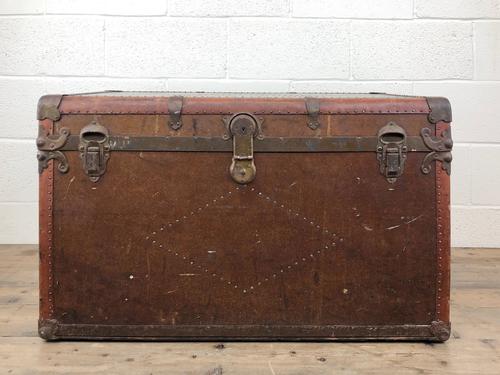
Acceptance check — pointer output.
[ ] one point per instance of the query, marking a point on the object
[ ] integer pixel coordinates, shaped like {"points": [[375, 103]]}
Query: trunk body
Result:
{"points": [[244, 217]]}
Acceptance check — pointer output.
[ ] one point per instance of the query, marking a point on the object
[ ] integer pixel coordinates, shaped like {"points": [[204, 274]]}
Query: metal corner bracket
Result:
{"points": [[440, 330], [440, 150], [440, 110], [48, 107], [48, 146], [47, 329]]}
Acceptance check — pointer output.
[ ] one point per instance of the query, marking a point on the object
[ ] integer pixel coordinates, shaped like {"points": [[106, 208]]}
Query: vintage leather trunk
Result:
{"points": [[177, 216]]}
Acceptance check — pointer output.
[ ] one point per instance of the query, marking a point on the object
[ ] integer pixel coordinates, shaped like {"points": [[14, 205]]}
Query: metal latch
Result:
{"points": [[243, 127], [174, 111], [94, 150], [391, 151]]}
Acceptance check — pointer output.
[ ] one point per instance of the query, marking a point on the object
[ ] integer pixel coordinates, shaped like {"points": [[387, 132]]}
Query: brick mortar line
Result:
{"points": [[474, 50], [255, 79], [20, 203], [104, 48], [475, 207], [284, 17]]}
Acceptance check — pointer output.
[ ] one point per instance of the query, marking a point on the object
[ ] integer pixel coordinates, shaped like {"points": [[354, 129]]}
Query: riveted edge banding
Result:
{"points": [[46, 245], [443, 249]]}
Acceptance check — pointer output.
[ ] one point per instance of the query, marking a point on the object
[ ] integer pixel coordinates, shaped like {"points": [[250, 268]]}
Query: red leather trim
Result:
{"points": [[46, 182], [203, 105], [443, 237]]}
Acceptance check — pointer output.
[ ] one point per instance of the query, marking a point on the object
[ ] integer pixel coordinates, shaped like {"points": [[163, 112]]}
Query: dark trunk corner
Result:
{"points": [[440, 330], [48, 107], [47, 329], [440, 109]]}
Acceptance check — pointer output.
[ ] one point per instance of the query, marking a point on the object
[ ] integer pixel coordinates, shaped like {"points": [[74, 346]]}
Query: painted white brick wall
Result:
{"points": [[415, 50], [288, 48], [381, 9], [426, 47], [204, 8], [466, 9]]}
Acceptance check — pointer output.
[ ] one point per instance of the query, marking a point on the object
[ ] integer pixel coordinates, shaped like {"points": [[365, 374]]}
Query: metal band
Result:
{"points": [[218, 144], [54, 330], [174, 110], [313, 111]]}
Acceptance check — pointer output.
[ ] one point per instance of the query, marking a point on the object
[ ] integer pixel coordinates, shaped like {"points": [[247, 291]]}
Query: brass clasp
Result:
{"points": [[391, 151], [94, 150], [243, 127]]}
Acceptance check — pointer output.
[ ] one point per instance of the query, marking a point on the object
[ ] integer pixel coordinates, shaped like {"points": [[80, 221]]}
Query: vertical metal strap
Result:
{"points": [[174, 111], [312, 107], [243, 128]]}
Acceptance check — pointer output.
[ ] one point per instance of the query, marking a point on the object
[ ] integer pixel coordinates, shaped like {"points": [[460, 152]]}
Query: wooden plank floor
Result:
{"points": [[474, 347]]}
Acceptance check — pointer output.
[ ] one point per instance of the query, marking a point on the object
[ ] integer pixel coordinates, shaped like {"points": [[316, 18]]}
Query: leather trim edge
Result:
{"points": [[113, 105], [46, 199], [442, 239]]}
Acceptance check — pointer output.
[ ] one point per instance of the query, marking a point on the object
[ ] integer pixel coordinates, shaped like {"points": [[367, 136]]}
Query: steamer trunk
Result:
{"points": [[167, 216]]}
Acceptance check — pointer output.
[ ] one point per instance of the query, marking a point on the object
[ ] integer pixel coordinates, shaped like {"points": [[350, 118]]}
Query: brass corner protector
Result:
{"points": [[440, 330], [48, 107], [440, 109], [47, 329]]}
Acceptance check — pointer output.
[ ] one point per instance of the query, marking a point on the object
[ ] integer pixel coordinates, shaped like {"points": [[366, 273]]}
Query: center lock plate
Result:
{"points": [[243, 127]]}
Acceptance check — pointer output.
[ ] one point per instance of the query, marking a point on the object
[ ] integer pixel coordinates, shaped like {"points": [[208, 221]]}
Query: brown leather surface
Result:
{"points": [[380, 270]]}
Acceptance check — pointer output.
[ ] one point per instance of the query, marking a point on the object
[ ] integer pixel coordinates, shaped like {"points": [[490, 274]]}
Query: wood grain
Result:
{"points": [[474, 347]]}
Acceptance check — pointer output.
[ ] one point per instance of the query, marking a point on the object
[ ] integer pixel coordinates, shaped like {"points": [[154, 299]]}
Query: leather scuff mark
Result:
{"points": [[367, 227], [69, 185]]}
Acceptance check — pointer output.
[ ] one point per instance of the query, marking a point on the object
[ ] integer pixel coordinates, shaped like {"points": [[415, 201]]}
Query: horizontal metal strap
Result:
{"points": [[218, 144]]}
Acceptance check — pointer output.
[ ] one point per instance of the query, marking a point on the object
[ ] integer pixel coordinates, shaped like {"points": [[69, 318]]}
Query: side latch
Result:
{"points": [[312, 107], [243, 127], [94, 150], [391, 151], [441, 150], [174, 112], [48, 146]]}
